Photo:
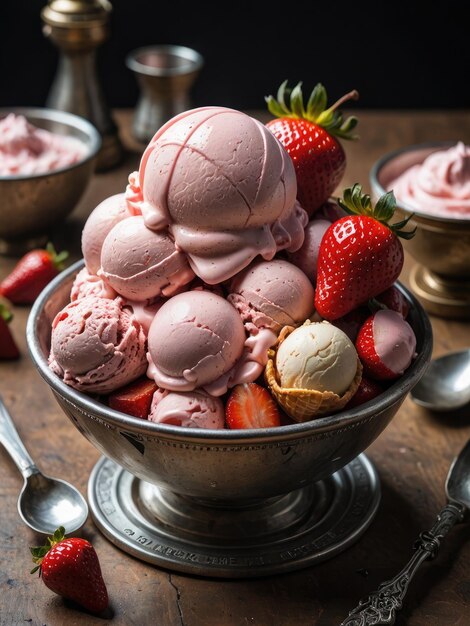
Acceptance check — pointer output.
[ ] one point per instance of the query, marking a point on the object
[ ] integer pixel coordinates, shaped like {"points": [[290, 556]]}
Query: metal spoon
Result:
{"points": [[44, 503], [446, 384], [381, 606]]}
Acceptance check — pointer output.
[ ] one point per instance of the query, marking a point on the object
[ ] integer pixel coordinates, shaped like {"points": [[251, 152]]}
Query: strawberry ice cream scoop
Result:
{"points": [[101, 220], [272, 294], [317, 356], [306, 257], [140, 263], [225, 188], [386, 345], [190, 409], [97, 345], [195, 338], [86, 284]]}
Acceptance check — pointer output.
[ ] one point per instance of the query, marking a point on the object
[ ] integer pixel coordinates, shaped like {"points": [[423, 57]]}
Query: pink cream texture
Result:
{"points": [[440, 185], [86, 284], [191, 409], [26, 150], [225, 189], [140, 263], [97, 345], [394, 340]]}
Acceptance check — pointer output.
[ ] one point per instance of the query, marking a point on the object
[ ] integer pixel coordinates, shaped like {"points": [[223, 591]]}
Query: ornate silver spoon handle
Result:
{"points": [[381, 606]]}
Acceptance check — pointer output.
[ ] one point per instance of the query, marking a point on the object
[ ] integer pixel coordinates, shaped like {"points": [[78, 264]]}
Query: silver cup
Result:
{"points": [[165, 75]]}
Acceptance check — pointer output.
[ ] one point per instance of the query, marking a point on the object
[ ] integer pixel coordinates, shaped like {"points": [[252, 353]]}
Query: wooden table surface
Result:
{"points": [[412, 457]]}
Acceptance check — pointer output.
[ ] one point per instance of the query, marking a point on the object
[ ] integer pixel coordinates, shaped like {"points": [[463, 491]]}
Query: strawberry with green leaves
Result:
{"points": [[70, 568], [31, 274], [8, 348], [310, 135], [360, 255]]}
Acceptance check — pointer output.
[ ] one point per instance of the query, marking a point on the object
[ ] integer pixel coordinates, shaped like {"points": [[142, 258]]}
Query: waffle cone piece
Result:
{"points": [[305, 404]]}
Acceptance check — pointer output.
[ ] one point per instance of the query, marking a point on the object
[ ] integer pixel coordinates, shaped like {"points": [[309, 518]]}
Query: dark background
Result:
{"points": [[398, 55]]}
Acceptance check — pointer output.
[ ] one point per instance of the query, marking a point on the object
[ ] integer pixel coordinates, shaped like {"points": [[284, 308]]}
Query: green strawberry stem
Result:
{"points": [[355, 202], [316, 110], [39, 552], [57, 258], [5, 313]]}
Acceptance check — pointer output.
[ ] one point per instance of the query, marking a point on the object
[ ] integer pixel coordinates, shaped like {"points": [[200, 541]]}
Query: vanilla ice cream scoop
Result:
{"points": [[317, 356], [225, 188], [141, 264]]}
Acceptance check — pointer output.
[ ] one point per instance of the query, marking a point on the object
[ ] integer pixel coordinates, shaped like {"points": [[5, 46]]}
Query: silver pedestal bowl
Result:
{"points": [[228, 503]]}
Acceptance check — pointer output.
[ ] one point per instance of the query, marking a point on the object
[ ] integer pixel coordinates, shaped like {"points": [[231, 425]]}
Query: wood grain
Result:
{"points": [[412, 457]]}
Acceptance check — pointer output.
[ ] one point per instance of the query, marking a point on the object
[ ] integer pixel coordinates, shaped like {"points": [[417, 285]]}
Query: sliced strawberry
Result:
{"points": [[8, 348], [135, 398], [367, 390], [31, 274], [251, 406]]}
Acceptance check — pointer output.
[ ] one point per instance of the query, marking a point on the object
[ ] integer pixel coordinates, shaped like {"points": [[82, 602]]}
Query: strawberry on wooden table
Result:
{"points": [[360, 255], [251, 406], [70, 568], [31, 274], [309, 134], [8, 348], [135, 398]]}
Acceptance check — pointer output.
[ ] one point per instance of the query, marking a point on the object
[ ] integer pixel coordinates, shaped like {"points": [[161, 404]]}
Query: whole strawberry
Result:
{"points": [[8, 348], [309, 134], [31, 274], [360, 255], [70, 568]]}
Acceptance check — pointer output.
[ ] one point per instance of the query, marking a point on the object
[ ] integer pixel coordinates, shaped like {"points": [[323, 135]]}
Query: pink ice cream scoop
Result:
{"points": [[272, 294], [195, 338], [225, 188], [438, 186], [191, 409], [97, 345], [140, 263], [101, 220], [86, 284], [306, 257]]}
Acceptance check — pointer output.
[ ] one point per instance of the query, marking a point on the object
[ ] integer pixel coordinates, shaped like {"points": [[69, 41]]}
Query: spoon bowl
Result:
{"points": [[446, 384], [44, 503]]}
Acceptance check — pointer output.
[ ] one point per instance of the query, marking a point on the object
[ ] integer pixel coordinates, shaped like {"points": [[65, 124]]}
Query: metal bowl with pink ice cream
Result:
{"points": [[47, 158], [432, 182]]}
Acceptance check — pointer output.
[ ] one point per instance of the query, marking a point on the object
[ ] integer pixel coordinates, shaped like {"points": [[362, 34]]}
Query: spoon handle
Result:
{"points": [[381, 606], [10, 438]]}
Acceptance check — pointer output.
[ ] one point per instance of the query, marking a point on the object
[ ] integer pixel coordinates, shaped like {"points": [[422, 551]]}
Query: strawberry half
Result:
{"points": [[308, 133], [31, 274], [70, 568], [251, 406], [135, 398], [8, 348], [360, 255]]}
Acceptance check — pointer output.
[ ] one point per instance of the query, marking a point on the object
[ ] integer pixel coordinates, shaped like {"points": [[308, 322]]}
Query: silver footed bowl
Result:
{"points": [[228, 467]]}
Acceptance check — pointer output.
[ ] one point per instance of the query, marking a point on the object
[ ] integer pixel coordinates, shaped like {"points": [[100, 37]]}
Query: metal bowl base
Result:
{"points": [[234, 540], [440, 295]]}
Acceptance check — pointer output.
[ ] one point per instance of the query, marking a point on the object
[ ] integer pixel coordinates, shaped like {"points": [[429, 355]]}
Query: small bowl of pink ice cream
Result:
{"points": [[46, 161], [432, 182]]}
